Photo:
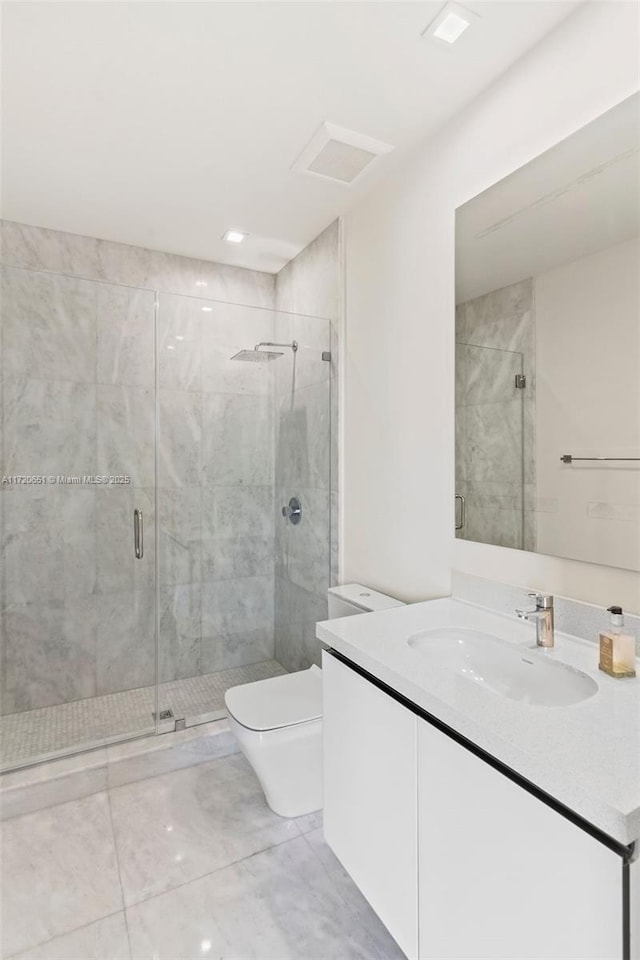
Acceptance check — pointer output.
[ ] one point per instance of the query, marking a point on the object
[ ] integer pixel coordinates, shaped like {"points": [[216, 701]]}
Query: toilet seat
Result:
{"points": [[278, 722], [277, 702]]}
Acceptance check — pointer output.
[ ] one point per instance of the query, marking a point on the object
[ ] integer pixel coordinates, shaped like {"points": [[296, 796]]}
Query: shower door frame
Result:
{"points": [[157, 724]]}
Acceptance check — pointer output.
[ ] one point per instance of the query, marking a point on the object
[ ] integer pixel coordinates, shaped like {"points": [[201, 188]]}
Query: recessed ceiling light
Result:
{"points": [[450, 24], [234, 236], [207, 309], [179, 337], [201, 283]]}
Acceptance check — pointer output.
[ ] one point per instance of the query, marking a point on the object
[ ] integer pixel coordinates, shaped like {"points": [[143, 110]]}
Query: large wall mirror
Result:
{"points": [[548, 351]]}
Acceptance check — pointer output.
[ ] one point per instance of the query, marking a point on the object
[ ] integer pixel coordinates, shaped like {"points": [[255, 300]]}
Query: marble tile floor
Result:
{"points": [[188, 864], [52, 731]]}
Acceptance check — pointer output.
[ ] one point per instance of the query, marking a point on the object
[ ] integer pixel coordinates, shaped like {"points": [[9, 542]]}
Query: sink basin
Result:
{"points": [[518, 673]]}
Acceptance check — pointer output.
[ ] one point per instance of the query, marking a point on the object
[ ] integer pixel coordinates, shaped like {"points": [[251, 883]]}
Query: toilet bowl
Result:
{"points": [[278, 722], [278, 725]]}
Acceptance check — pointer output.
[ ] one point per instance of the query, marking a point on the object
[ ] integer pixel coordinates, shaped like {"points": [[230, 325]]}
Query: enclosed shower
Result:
{"points": [[147, 563]]}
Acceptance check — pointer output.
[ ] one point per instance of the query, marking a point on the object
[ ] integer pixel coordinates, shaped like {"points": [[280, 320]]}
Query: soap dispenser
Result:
{"points": [[617, 649]]}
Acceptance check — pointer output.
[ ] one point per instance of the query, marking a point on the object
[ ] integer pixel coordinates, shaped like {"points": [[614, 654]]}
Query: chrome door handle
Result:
{"points": [[462, 511], [138, 534]]}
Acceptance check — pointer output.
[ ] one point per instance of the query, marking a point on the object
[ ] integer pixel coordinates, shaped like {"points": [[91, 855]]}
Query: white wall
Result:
{"points": [[399, 398], [588, 404]]}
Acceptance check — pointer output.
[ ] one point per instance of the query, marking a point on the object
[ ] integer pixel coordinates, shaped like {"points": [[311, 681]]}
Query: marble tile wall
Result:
{"points": [[78, 395], [52, 251], [495, 422], [306, 461]]}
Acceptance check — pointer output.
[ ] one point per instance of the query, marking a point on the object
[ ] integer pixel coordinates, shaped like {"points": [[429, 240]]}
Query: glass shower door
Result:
{"points": [[490, 447], [242, 431], [77, 575], [304, 469], [215, 503]]}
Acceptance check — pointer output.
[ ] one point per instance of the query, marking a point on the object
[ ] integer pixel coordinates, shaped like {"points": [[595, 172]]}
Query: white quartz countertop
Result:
{"points": [[586, 755]]}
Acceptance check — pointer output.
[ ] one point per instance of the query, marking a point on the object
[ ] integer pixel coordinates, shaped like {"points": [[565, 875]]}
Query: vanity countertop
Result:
{"points": [[586, 755]]}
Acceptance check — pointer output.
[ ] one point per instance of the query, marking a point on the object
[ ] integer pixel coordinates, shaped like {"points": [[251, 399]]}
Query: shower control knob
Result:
{"points": [[293, 510]]}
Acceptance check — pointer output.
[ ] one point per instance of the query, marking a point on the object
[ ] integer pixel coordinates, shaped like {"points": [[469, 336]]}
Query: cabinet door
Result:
{"points": [[370, 819], [501, 874]]}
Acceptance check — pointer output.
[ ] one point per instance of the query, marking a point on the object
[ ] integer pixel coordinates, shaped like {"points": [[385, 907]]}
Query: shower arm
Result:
{"points": [[267, 343]]}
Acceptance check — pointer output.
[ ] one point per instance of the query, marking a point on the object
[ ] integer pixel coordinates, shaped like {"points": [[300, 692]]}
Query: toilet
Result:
{"points": [[278, 722]]}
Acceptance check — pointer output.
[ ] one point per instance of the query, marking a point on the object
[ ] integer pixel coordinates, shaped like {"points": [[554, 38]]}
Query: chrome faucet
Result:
{"points": [[543, 616]]}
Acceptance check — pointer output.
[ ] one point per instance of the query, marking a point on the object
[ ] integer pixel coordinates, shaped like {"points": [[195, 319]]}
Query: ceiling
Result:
{"points": [[579, 197], [164, 124]]}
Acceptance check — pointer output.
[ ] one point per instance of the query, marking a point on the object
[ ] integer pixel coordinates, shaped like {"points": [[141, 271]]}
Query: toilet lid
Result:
{"points": [[277, 701]]}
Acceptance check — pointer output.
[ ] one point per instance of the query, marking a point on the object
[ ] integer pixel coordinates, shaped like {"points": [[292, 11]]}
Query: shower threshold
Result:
{"points": [[66, 728]]}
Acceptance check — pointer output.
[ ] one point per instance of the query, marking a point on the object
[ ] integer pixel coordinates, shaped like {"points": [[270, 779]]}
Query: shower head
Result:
{"points": [[257, 355]]}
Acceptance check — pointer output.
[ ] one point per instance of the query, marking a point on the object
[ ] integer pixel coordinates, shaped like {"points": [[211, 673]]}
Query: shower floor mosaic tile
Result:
{"points": [[51, 731]]}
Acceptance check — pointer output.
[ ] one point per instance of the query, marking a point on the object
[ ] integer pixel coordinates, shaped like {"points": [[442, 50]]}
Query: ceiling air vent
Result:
{"points": [[338, 154]]}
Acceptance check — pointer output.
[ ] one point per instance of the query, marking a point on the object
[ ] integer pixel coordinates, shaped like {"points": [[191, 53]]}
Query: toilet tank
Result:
{"points": [[352, 598]]}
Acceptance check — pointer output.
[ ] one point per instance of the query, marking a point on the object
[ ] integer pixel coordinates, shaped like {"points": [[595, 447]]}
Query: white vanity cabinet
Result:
{"points": [[502, 874], [457, 859], [370, 783]]}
